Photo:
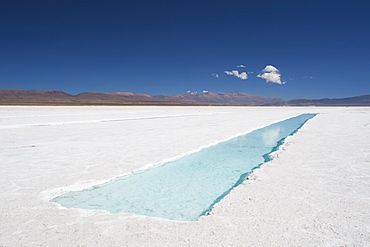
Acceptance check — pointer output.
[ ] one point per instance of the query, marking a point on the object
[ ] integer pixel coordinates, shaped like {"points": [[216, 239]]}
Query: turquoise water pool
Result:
{"points": [[187, 188]]}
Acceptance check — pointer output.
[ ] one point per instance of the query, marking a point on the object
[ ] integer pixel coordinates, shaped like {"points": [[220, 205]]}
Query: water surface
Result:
{"points": [[187, 188]]}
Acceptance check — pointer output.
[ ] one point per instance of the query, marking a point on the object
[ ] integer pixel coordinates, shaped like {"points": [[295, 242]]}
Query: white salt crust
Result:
{"points": [[315, 192]]}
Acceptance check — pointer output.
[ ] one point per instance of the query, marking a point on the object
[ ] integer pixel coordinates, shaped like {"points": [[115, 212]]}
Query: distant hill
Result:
{"points": [[10, 96], [33, 97], [15, 96], [363, 100], [232, 98]]}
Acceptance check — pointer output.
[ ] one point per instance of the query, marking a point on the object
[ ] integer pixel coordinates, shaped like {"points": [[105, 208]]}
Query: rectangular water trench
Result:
{"points": [[189, 187]]}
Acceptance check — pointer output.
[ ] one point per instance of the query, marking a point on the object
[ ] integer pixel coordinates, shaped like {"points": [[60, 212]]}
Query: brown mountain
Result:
{"points": [[16, 96], [363, 100], [10, 96], [119, 98], [232, 98], [33, 97]]}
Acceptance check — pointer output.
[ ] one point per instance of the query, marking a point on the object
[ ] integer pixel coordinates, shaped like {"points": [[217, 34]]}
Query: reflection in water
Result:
{"points": [[271, 136]]}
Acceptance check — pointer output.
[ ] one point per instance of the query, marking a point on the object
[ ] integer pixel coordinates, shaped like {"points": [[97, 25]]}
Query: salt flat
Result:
{"points": [[314, 193]]}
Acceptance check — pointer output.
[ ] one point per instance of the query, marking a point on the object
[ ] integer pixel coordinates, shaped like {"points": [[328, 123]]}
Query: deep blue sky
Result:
{"points": [[321, 48]]}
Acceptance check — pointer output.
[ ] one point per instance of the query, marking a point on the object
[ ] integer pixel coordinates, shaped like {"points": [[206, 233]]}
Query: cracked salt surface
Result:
{"points": [[189, 187]]}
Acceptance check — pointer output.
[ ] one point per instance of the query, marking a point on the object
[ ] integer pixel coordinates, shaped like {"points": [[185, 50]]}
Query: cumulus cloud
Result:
{"points": [[195, 92], [231, 72], [191, 92], [270, 68], [240, 66], [271, 74], [215, 75], [242, 75]]}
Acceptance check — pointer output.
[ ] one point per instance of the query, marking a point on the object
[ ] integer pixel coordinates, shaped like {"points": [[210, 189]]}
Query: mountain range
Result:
{"points": [[54, 97]]}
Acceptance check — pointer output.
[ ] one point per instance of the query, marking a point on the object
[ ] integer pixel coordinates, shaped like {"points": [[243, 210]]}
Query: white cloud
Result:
{"points": [[270, 68], [231, 72], [215, 75], [271, 74], [195, 92], [240, 66], [191, 92], [307, 77], [242, 76]]}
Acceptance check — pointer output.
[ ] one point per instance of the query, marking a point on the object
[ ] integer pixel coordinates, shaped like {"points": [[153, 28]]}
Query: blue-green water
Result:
{"points": [[187, 188]]}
